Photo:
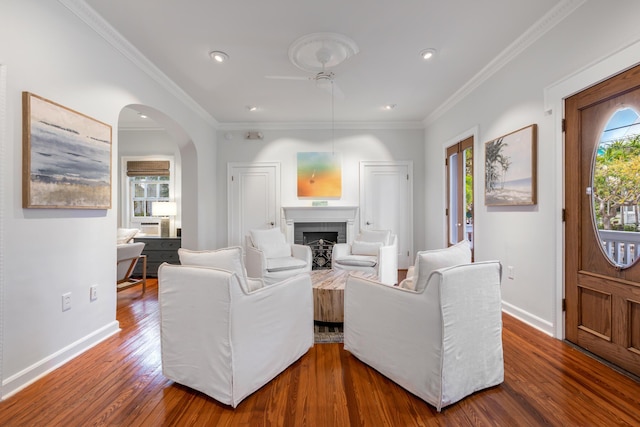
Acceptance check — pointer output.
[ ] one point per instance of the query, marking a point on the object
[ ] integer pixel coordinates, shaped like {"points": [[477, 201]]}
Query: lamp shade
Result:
{"points": [[164, 208]]}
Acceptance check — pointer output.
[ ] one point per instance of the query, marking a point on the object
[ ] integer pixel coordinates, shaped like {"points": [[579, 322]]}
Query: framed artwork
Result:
{"points": [[510, 169], [319, 175], [66, 157]]}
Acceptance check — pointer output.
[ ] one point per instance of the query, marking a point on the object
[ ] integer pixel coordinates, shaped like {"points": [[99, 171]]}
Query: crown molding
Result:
{"points": [[90, 17], [535, 32], [243, 126]]}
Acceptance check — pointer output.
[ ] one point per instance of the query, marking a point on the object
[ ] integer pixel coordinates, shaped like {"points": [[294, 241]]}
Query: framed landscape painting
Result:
{"points": [[510, 169], [66, 159], [319, 175]]}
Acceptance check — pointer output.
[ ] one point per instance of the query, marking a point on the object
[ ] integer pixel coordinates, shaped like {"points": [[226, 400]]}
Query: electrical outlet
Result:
{"points": [[66, 301], [93, 293], [511, 272]]}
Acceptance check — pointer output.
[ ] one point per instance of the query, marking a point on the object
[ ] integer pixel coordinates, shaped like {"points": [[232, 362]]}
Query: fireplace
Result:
{"points": [[321, 244], [320, 236], [310, 225]]}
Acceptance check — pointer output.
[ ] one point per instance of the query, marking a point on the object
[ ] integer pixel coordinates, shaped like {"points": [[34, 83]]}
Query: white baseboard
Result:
{"points": [[528, 318], [27, 376]]}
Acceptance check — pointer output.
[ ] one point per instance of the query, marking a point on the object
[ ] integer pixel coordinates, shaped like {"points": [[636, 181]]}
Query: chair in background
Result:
{"points": [[128, 255], [227, 335], [439, 334], [372, 251], [270, 257]]}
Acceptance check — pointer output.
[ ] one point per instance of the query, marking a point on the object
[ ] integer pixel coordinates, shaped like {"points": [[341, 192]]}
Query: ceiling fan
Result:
{"points": [[317, 53]]}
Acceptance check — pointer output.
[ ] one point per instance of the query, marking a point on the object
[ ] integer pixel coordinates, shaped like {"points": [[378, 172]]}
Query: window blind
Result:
{"points": [[148, 168]]}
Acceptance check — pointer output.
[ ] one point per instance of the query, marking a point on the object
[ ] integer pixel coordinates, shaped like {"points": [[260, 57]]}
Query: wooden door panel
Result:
{"points": [[634, 325], [595, 312]]}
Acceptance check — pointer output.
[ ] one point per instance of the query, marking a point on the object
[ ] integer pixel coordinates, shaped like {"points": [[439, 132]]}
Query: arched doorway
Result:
{"points": [[158, 135]]}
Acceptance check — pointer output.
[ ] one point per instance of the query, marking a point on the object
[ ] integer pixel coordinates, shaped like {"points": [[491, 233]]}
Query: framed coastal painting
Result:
{"points": [[510, 168], [319, 175], [66, 157]]}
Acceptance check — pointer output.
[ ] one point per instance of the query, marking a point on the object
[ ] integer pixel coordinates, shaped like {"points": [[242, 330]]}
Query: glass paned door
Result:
{"points": [[459, 164]]}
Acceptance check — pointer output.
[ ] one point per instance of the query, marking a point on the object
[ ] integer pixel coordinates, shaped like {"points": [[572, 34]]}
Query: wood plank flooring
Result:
{"points": [[120, 383]]}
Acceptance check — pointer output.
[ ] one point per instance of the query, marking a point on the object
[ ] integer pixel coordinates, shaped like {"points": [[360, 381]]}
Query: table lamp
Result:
{"points": [[164, 210]]}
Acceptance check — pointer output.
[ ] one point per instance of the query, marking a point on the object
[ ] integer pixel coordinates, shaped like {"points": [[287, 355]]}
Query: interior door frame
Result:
{"points": [[554, 96], [3, 168], [469, 133]]}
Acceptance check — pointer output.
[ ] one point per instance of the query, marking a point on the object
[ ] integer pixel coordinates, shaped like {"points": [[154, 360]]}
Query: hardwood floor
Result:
{"points": [[120, 383]]}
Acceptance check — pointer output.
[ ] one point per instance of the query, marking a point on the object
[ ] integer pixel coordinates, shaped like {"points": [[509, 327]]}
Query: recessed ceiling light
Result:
{"points": [[427, 53], [252, 108], [142, 116], [389, 106], [218, 56]]}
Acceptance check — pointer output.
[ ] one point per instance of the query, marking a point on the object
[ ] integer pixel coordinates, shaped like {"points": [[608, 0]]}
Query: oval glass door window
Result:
{"points": [[616, 188]]}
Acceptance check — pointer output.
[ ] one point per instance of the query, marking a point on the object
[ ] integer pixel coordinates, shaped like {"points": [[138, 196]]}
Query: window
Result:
{"points": [[144, 191], [147, 181]]}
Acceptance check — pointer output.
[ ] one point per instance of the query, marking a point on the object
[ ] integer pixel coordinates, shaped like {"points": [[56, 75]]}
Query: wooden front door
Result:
{"points": [[602, 295]]}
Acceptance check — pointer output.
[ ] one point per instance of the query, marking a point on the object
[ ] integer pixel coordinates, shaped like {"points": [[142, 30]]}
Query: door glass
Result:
{"points": [[468, 194], [453, 199], [615, 188]]}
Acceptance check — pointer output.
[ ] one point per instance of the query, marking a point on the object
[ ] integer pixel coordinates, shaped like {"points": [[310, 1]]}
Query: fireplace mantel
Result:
{"points": [[293, 214]]}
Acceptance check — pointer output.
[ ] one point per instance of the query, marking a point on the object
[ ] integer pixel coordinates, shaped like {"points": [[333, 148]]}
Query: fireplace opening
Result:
{"points": [[321, 243]]}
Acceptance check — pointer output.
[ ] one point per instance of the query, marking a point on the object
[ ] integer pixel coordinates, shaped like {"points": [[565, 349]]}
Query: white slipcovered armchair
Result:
{"points": [[372, 251], [441, 337], [224, 334], [271, 258]]}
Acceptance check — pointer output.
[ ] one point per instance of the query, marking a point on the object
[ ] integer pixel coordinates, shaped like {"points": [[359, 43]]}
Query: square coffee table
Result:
{"points": [[328, 293]]}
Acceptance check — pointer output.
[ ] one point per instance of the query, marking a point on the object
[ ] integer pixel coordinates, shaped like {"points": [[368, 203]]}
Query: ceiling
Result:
{"points": [[470, 37]]}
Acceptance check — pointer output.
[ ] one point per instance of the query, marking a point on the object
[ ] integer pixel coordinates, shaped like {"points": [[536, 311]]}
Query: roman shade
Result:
{"points": [[148, 168]]}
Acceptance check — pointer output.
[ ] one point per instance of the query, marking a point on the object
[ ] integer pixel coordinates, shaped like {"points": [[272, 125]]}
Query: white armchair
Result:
{"points": [[271, 258], [226, 335], [372, 251], [441, 340]]}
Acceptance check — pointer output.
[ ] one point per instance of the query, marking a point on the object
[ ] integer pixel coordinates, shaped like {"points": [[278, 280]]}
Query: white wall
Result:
{"points": [[46, 49], [527, 238], [355, 146]]}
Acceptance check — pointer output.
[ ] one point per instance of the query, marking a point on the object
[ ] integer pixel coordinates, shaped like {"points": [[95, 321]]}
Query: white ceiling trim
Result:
{"points": [[106, 31], [243, 126], [537, 30]]}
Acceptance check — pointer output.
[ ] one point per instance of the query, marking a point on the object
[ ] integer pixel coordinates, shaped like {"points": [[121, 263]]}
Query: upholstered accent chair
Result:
{"points": [[439, 337], [227, 335], [271, 258], [128, 255], [372, 251]]}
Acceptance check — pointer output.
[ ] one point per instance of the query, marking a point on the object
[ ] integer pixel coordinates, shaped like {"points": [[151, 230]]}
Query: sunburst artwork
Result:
{"points": [[319, 175]]}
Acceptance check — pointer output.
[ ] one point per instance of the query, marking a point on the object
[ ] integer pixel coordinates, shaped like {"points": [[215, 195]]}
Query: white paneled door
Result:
{"points": [[386, 203], [253, 191]]}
